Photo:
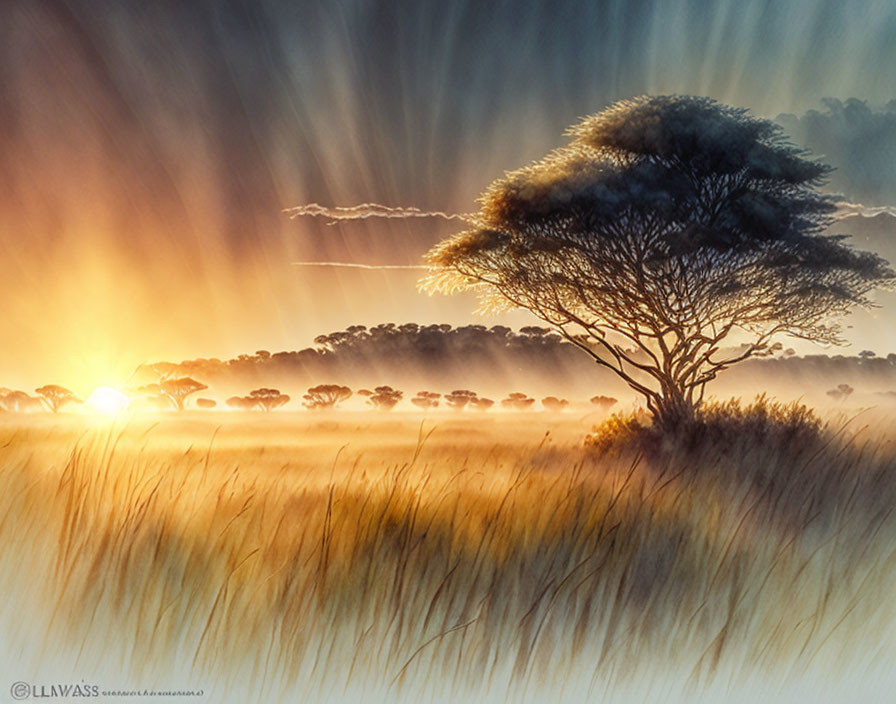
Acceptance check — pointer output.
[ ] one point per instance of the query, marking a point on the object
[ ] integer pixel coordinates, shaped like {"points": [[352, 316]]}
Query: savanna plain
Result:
{"points": [[451, 557]]}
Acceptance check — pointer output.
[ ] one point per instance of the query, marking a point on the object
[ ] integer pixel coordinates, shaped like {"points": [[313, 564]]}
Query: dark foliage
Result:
{"points": [[721, 427], [670, 222]]}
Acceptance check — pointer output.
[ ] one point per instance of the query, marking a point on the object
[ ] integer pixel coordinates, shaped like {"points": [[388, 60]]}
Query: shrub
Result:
{"points": [[720, 426]]}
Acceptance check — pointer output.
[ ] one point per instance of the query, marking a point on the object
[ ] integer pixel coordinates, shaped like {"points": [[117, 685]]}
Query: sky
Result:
{"points": [[149, 149]]}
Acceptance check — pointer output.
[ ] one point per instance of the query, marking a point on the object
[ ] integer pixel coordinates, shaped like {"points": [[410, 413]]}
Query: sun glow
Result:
{"points": [[107, 400]]}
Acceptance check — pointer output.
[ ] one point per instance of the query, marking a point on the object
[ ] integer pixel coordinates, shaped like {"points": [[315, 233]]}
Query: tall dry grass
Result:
{"points": [[311, 560]]}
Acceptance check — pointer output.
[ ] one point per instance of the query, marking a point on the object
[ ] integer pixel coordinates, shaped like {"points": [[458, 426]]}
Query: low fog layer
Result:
{"points": [[497, 361]]}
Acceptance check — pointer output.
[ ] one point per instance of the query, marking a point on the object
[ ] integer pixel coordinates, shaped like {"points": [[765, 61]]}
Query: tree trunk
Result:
{"points": [[674, 411]]}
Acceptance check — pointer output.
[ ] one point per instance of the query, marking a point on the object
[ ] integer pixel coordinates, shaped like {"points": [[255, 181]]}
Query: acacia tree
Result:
{"points": [[458, 399], [267, 399], [669, 229], [324, 397], [179, 389], [382, 398], [54, 397]]}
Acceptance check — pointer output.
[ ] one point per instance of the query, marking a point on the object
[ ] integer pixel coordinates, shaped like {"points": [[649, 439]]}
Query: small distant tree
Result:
{"points": [[458, 399], [553, 404], [426, 400], [867, 354], [179, 389], [19, 401], [481, 403], [518, 402], [55, 397], [841, 393], [325, 396], [268, 399], [206, 403], [604, 403], [383, 398], [241, 403]]}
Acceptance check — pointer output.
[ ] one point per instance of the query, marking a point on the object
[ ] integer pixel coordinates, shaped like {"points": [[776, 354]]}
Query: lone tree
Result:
{"points": [[55, 397], [669, 230]]}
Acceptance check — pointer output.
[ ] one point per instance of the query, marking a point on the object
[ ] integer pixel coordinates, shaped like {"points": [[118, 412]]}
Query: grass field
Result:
{"points": [[367, 557]]}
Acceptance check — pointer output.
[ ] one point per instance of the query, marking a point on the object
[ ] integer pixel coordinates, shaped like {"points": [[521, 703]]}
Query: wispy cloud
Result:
{"points": [[849, 210], [368, 210]]}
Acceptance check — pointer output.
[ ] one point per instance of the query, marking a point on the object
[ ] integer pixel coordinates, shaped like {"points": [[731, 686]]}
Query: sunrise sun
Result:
{"points": [[107, 400]]}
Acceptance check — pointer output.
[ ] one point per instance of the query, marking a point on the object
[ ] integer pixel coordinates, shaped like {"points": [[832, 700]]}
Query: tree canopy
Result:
{"points": [[55, 397], [666, 228]]}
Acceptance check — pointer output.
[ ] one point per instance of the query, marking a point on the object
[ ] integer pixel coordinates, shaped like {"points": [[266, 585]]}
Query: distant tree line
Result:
{"points": [[174, 395], [447, 356], [440, 356], [427, 353]]}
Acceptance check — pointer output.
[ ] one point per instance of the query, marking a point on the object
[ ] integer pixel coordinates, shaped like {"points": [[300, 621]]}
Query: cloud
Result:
{"points": [[849, 210], [858, 140], [367, 210]]}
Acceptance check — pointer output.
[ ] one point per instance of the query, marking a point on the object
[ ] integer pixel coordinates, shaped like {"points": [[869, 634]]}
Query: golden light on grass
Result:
{"points": [[486, 554], [107, 401]]}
